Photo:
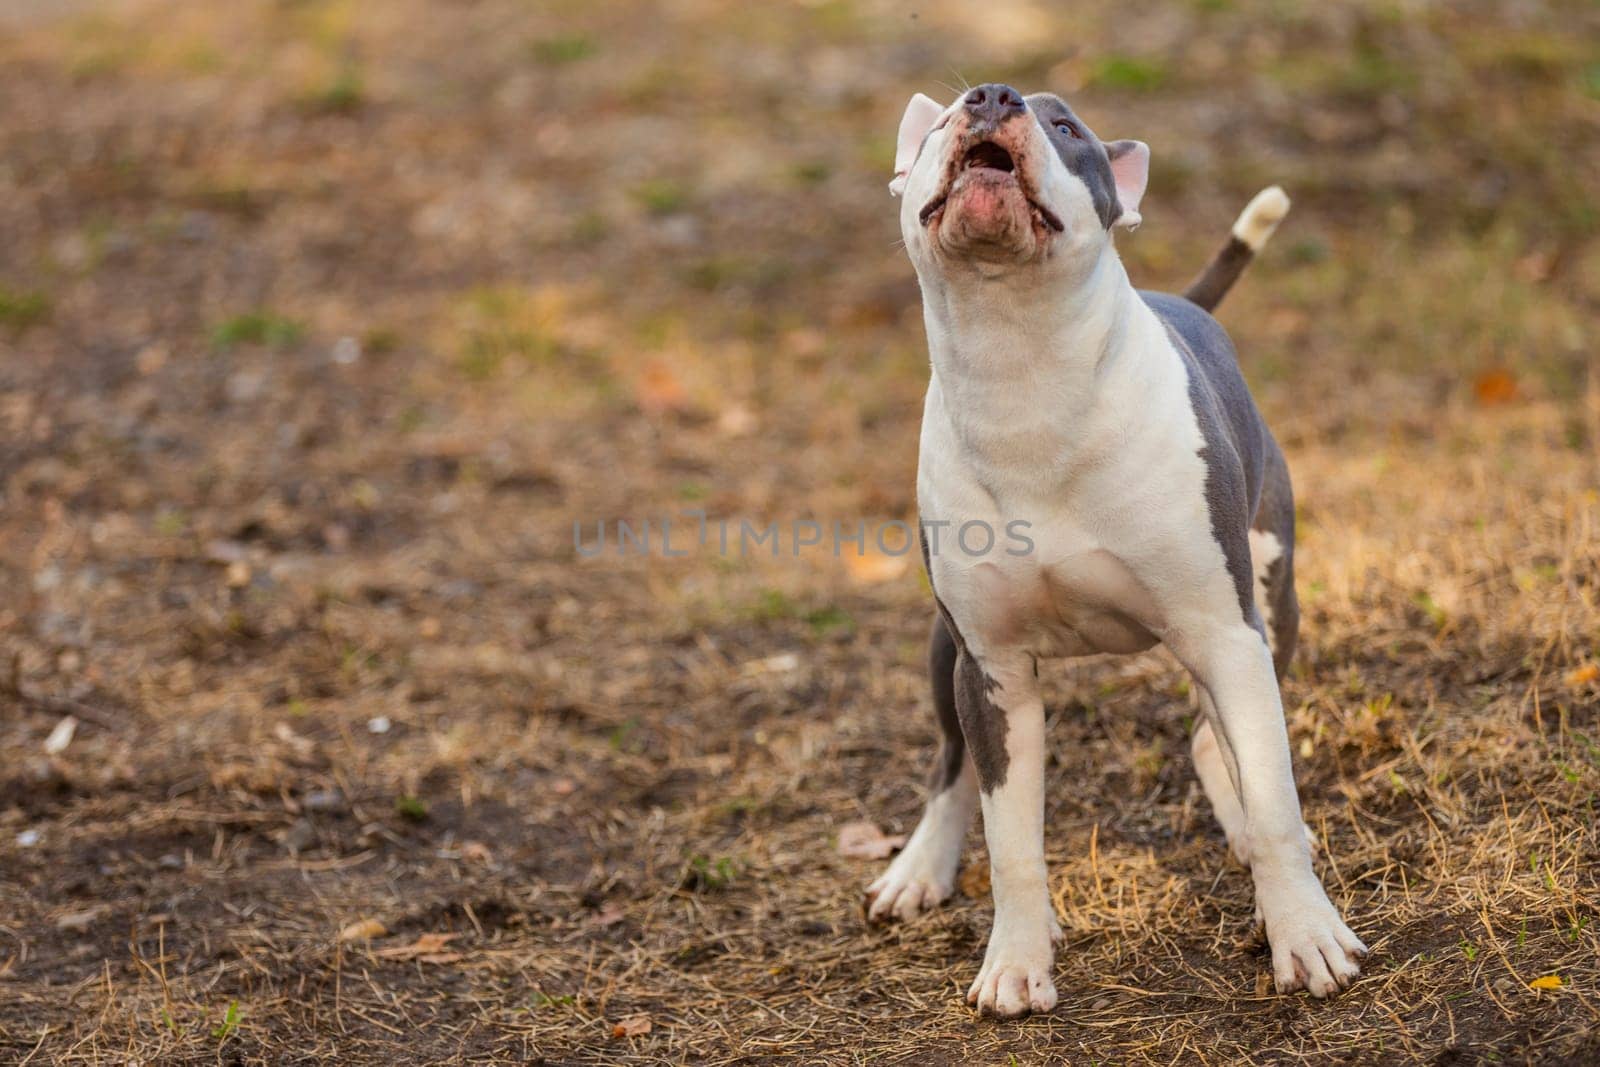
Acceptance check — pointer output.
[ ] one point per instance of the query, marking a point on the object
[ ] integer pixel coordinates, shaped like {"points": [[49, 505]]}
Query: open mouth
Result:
{"points": [[986, 155], [990, 155]]}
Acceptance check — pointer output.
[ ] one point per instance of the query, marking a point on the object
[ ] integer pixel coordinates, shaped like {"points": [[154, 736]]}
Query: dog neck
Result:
{"points": [[1020, 361]]}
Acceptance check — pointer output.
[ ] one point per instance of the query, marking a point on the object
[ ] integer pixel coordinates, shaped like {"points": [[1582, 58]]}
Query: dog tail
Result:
{"points": [[1250, 233]]}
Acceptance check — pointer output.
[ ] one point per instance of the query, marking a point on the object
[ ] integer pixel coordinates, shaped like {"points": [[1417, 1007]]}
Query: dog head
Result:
{"points": [[998, 181]]}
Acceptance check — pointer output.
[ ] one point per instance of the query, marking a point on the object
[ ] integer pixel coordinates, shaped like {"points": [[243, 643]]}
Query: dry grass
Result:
{"points": [[608, 262]]}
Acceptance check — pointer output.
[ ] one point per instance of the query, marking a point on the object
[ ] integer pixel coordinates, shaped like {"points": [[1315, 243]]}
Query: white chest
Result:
{"points": [[1088, 493]]}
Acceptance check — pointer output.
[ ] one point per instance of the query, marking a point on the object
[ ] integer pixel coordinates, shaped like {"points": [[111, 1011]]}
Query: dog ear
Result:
{"points": [[1130, 169], [921, 113]]}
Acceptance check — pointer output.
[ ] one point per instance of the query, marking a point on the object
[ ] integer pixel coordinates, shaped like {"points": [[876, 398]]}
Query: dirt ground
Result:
{"points": [[323, 323]]}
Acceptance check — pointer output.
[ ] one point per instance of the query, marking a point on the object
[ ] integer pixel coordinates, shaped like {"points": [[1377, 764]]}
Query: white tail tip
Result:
{"points": [[1261, 216]]}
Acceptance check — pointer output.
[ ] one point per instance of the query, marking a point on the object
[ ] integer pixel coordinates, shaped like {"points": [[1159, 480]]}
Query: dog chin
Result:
{"points": [[988, 218]]}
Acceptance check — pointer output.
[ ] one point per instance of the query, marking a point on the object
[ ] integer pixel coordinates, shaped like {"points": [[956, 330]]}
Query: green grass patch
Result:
{"points": [[19, 310], [704, 873], [171, 522], [543, 1000], [772, 605], [564, 49], [830, 620], [662, 196], [411, 809], [379, 341], [590, 228], [343, 94], [503, 324], [256, 328], [230, 1023], [624, 737], [1134, 74], [812, 172]]}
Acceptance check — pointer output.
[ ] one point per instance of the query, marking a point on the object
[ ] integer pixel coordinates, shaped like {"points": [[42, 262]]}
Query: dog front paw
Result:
{"points": [[1016, 974], [1312, 948]]}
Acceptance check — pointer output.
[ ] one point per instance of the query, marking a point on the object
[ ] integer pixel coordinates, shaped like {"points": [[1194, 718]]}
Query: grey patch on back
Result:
{"points": [[1235, 438], [1084, 156], [980, 723], [1275, 515]]}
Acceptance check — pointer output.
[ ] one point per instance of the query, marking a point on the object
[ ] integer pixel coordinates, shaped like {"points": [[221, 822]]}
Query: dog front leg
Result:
{"points": [[1002, 719], [924, 873], [1312, 948]]}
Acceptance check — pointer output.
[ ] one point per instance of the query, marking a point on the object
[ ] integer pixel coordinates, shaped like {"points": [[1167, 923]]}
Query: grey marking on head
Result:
{"points": [[982, 723], [1235, 438], [1085, 155]]}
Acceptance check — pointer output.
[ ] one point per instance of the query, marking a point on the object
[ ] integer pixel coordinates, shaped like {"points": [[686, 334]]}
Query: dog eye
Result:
{"points": [[1068, 128]]}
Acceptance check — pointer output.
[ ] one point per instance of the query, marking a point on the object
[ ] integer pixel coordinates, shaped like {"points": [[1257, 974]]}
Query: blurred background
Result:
{"points": [[322, 323]]}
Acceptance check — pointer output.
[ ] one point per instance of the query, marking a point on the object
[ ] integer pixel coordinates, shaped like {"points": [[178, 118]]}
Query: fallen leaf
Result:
{"points": [[1535, 266], [632, 1026], [226, 551], [864, 841], [974, 881], [779, 664], [61, 736], [736, 421], [659, 391], [363, 930], [78, 921], [151, 358], [427, 947], [476, 852], [1263, 983], [1582, 676], [609, 915], [563, 787], [303, 746], [873, 567], [1495, 386], [1549, 981]]}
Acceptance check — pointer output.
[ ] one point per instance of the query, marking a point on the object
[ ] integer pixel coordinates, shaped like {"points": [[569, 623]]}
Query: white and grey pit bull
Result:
{"points": [[1116, 424]]}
